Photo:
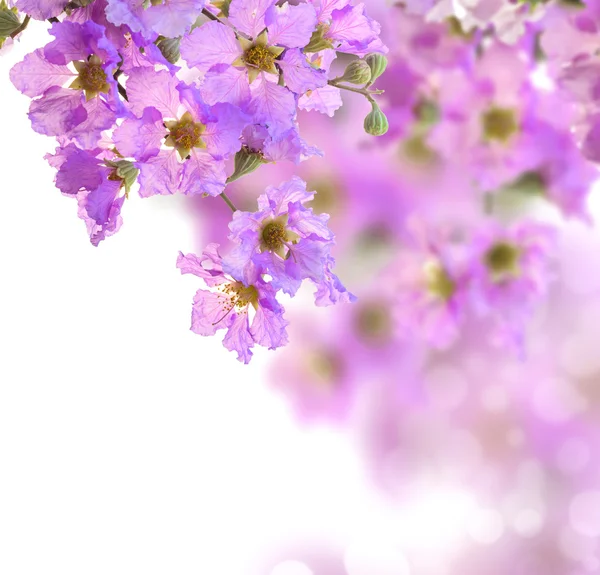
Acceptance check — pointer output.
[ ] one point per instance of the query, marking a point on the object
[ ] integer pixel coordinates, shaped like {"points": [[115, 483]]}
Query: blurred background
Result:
{"points": [[130, 445]]}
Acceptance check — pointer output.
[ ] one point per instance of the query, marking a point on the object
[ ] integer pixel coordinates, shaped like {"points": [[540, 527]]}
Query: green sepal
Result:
{"points": [[125, 171], [9, 21], [317, 41], [169, 48], [246, 162]]}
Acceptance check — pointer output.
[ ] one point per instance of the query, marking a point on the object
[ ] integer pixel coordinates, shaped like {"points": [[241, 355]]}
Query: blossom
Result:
{"points": [[179, 142], [228, 305], [286, 240], [509, 273], [100, 182], [430, 285], [75, 104]]}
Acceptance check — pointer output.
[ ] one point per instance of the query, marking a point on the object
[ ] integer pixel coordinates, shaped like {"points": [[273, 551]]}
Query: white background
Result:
{"points": [[128, 444]]}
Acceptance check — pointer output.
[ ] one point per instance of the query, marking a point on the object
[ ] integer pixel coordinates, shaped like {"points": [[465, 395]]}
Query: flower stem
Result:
{"points": [[21, 27], [366, 93], [228, 201]]}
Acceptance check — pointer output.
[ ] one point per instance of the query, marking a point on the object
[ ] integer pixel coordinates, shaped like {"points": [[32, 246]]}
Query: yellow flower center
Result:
{"points": [[373, 322], [499, 124], [438, 281], [260, 57], [185, 134], [502, 259], [92, 77], [274, 235]]}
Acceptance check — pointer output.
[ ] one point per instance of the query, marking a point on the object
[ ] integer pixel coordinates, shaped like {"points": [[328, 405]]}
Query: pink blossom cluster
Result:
{"points": [[185, 97]]}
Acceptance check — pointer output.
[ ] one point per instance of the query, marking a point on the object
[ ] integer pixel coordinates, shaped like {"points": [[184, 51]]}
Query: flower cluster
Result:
{"points": [[184, 97], [283, 241]]}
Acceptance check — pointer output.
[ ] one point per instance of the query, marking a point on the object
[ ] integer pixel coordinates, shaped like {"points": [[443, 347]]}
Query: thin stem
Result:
{"points": [[21, 27], [53, 20], [123, 92], [211, 16], [228, 202], [363, 91]]}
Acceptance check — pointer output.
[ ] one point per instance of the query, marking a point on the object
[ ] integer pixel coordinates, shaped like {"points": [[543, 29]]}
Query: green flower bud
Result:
{"points": [[378, 63], [246, 161], [376, 123], [357, 72], [169, 48], [9, 20]]}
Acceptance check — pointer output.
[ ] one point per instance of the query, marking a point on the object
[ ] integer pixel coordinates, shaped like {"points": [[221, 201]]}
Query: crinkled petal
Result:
{"points": [[57, 112], [160, 174], [146, 87], [41, 9], [174, 17], [272, 104], [326, 100], [238, 338], [223, 137], [99, 117], [278, 198], [210, 44], [208, 312], [269, 326], [291, 26], [299, 75], [248, 16], [224, 83], [140, 138], [79, 171], [208, 266], [202, 174], [99, 202], [34, 75], [304, 222]]}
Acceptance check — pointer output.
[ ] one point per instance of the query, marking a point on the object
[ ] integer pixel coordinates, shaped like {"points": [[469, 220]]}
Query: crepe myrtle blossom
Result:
{"points": [[287, 241], [99, 180], [179, 143], [72, 82], [229, 302], [269, 58], [430, 285], [509, 272]]}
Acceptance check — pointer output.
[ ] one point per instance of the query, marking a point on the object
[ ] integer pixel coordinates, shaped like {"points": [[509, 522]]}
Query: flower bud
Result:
{"points": [[378, 63], [357, 72], [246, 161], [376, 122], [169, 48]]}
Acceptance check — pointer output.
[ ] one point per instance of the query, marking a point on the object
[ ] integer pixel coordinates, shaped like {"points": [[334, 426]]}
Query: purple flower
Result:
{"points": [[348, 28], [509, 273], [430, 284], [74, 104], [285, 240], [100, 182], [179, 142], [229, 303], [243, 67]]}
